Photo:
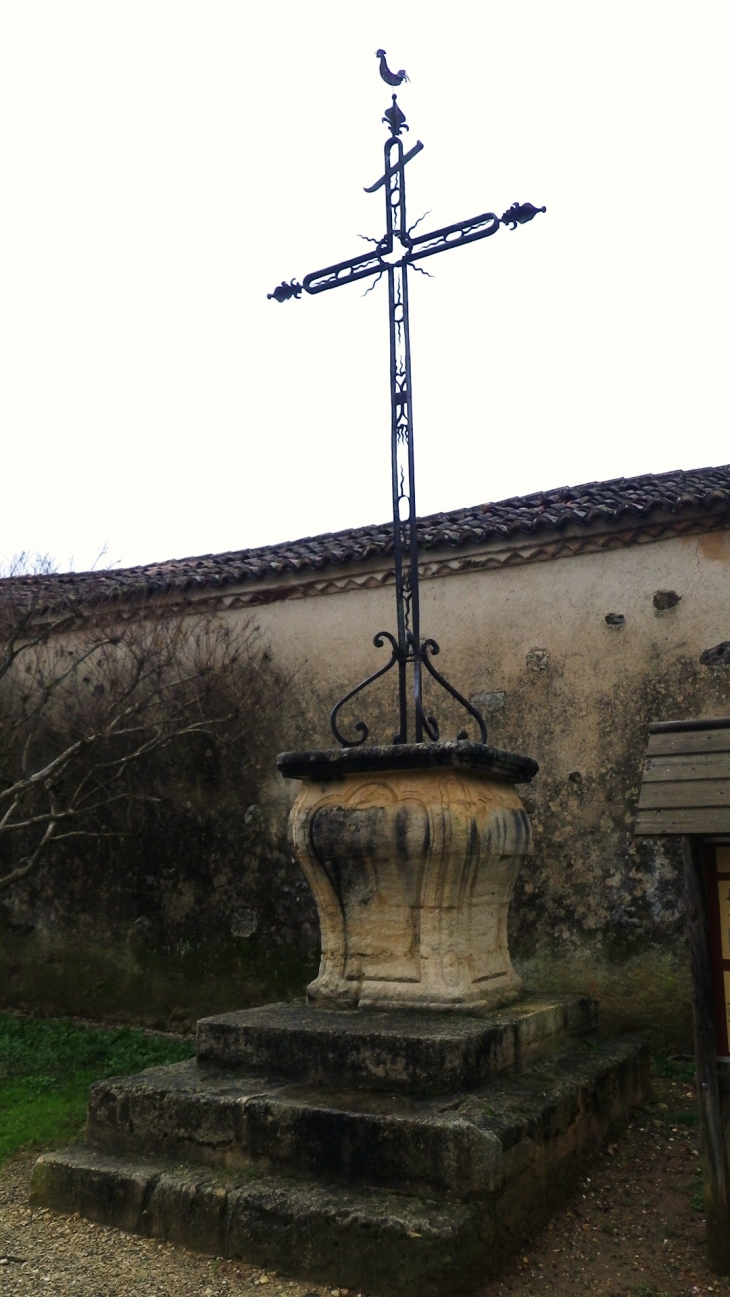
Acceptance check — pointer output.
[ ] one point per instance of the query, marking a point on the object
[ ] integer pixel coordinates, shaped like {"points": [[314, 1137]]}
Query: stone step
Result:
{"points": [[542, 1125], [458, 1147], [433, 1053], [366, 1239]]}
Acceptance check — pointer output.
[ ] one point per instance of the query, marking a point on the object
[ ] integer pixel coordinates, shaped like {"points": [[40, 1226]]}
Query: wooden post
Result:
{"points": [[712, 1143]]}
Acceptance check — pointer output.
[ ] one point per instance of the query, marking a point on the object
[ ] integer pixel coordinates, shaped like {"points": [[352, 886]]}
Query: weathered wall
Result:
{"points": [[595, 909], [197, 907]]}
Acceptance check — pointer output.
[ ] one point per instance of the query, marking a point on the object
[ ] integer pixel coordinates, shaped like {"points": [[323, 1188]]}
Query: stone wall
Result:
{"points": [[569, 650]]}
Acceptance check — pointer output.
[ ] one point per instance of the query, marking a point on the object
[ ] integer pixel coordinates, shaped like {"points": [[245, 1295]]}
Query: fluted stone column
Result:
{"points": [[412, 855]]}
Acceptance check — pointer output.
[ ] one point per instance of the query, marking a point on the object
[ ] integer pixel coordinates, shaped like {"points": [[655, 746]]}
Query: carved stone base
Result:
{"points": [[412, 861]]}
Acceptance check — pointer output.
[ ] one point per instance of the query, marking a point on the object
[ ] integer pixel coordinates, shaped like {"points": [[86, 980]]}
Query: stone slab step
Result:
{"points": [[368, 1240], [463, 1146], [394, 1051]]}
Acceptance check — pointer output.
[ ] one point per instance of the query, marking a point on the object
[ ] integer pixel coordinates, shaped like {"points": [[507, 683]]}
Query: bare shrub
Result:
{"points": [[99, 705]]}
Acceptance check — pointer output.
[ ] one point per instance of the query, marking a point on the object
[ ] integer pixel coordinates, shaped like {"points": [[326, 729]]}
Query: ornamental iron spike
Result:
{"points": [[284, 291], [395, 119], [391, 256], [520, 214]]}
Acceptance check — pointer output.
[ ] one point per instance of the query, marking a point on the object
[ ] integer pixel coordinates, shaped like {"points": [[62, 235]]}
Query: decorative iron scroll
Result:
{"points": [[360, 727], [391, 256], [429, 724]]}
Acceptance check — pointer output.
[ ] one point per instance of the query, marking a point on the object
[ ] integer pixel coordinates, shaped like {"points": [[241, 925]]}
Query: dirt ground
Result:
{"points": [[635, 1224], [629, 1228]]}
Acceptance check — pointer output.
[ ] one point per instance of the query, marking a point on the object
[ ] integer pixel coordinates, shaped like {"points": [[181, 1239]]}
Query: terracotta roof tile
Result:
{"points": [[543, 511]]}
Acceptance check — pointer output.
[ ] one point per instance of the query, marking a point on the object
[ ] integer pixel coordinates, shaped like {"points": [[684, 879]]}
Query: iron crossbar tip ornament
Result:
{"points": [[392, 255]]}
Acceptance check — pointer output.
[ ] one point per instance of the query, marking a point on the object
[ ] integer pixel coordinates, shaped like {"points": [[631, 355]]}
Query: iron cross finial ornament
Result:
{"points": [[391, 256]]}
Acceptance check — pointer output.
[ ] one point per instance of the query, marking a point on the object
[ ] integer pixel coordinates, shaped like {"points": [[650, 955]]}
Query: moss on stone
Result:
{"points": [[647, 990], [154, 988]]}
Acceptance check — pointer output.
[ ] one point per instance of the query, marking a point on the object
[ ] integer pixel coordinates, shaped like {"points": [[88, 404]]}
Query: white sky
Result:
{"points": [[165, 163]]}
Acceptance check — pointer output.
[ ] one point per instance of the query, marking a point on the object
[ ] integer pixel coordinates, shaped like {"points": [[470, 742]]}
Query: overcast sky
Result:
{"points": [[165, 164]]}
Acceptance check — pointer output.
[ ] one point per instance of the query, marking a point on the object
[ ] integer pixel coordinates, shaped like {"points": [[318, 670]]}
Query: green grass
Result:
{"points": [[697, 1196], [46, 1069], [672, 1069]]}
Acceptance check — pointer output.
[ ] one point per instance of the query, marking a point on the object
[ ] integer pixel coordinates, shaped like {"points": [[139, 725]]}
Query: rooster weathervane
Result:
{"points": [[392, 255]]}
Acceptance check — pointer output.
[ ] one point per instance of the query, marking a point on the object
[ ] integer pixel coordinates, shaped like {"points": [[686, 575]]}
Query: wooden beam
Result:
{"points": [[688, 741], [712, 1144], [697, 765], [655, 822], [694, 723], [682, 795]]}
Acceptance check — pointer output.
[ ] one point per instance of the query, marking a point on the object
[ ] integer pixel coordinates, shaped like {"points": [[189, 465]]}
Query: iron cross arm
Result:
{"points": [[402, 250]]}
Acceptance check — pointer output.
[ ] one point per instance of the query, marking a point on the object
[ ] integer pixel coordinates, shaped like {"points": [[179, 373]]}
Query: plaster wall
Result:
{"points": [[211, 913], [596, 909]]}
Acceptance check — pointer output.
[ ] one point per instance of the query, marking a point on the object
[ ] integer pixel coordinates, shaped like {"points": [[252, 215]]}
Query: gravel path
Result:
{"points": [[61, 1256], [628, 1229]]}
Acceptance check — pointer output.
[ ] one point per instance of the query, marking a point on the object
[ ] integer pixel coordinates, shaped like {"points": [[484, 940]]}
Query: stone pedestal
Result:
{"points": [[412, 853], [400, 1154], [379, 1146]]}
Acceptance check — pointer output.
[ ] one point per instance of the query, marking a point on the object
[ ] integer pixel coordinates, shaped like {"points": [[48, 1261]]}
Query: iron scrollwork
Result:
{"points": [[360, 727], [430, 646], [391, 256]]}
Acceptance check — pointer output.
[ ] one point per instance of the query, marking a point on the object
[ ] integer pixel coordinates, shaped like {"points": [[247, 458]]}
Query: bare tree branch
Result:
{"points": [[89, 697]]}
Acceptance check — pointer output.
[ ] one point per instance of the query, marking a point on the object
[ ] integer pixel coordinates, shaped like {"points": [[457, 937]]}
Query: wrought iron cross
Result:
{"points": [[392, 255]]}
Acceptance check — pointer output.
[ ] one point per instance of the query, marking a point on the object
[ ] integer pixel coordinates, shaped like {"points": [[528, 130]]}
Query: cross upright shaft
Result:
{"points": [[391, 256], [403, 470]]}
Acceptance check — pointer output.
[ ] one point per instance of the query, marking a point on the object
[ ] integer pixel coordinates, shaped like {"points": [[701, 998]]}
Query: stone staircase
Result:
{"points": [[394, 1153]]}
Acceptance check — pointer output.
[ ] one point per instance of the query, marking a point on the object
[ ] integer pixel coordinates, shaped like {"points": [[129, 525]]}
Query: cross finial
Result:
{"points": [[395, 119]]}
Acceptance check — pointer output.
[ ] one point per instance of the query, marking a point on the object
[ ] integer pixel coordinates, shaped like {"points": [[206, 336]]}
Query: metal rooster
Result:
{"points": [[392, 78]]}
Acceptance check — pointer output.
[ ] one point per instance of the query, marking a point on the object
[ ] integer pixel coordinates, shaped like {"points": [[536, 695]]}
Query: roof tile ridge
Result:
{"points": [[552, 509]]}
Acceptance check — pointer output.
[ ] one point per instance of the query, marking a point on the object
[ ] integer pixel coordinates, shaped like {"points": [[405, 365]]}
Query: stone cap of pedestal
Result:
{"points": [[333, 763]]}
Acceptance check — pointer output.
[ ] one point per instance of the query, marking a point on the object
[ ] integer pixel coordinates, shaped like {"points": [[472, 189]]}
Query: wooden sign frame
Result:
{"points": [[685, 792], [717, 891], [712, 1103], [685, 786]]}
